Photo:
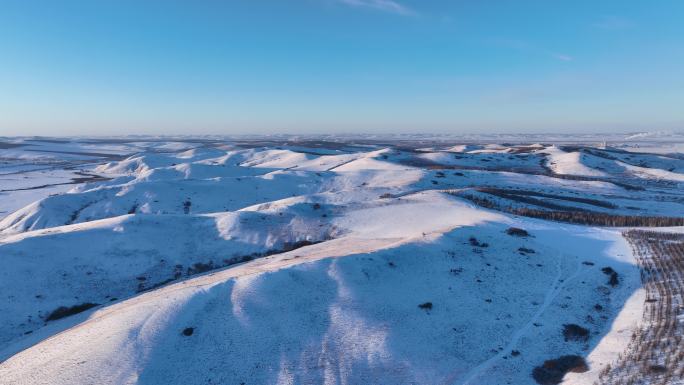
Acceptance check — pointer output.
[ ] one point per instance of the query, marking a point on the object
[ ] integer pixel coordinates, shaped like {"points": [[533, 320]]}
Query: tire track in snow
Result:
{"points": [[555, 289]]}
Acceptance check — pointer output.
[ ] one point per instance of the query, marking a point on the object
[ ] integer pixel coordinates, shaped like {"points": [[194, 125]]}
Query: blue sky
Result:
{"points": [[324, 66]]}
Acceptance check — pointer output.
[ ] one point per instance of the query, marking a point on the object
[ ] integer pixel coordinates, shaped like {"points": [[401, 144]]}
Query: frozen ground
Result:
{"points": [[311, 260]]}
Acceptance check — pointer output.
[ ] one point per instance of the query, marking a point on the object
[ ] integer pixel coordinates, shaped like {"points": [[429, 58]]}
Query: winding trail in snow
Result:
{"points": [[555, 289]]}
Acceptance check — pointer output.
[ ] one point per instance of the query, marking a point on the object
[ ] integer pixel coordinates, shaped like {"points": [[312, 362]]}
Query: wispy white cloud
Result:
{"points": [[528, 48], [614, 23], [389, 6], [562, 57], [511, 43]]}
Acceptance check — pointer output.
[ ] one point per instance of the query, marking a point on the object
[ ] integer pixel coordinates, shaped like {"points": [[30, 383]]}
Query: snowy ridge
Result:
{"points": [[322, 262]]}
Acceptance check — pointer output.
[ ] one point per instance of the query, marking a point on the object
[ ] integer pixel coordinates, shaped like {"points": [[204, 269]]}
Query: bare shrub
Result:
{"points": [[474, 242], [574, 332], [553, 371], [517, 232], [200, 267], [614, 278], [63, 311]]}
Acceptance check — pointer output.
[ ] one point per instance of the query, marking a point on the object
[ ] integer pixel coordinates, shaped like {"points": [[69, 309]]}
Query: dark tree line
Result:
{"points": [[580, 217]]}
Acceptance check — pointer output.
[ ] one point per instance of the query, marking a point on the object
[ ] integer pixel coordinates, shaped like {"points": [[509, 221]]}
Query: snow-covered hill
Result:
{"points": [[398, 308], [215, 261]]}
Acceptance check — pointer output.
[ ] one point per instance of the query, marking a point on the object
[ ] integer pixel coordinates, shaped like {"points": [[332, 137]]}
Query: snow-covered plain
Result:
{"points": [[316, 261]]}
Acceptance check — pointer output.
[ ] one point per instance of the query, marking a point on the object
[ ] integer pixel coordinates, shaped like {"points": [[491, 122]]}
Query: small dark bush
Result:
{"points": [[386, 196], [660, 369], [614, 279], [200, 267], [188, 331], [515, 353], [474, 242], [526, 250], [588, 263], [426, 306], [64, 311], [517, 232], [316, 206], [553, 371], [289, 246], [573, 332], [177, 271]]}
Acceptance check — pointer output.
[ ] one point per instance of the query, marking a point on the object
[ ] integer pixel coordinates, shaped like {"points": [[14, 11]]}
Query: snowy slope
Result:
{"points": [[209, 261], [611, 163], [571, 163], [100, 260], [354, 319]]}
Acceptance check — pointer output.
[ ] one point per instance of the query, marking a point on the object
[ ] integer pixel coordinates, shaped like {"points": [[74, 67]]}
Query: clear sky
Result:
{"points": [[323, 66]]}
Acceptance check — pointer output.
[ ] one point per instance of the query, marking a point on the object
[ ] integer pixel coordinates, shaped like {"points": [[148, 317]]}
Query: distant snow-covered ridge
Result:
{"points": [[196, 180]]}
